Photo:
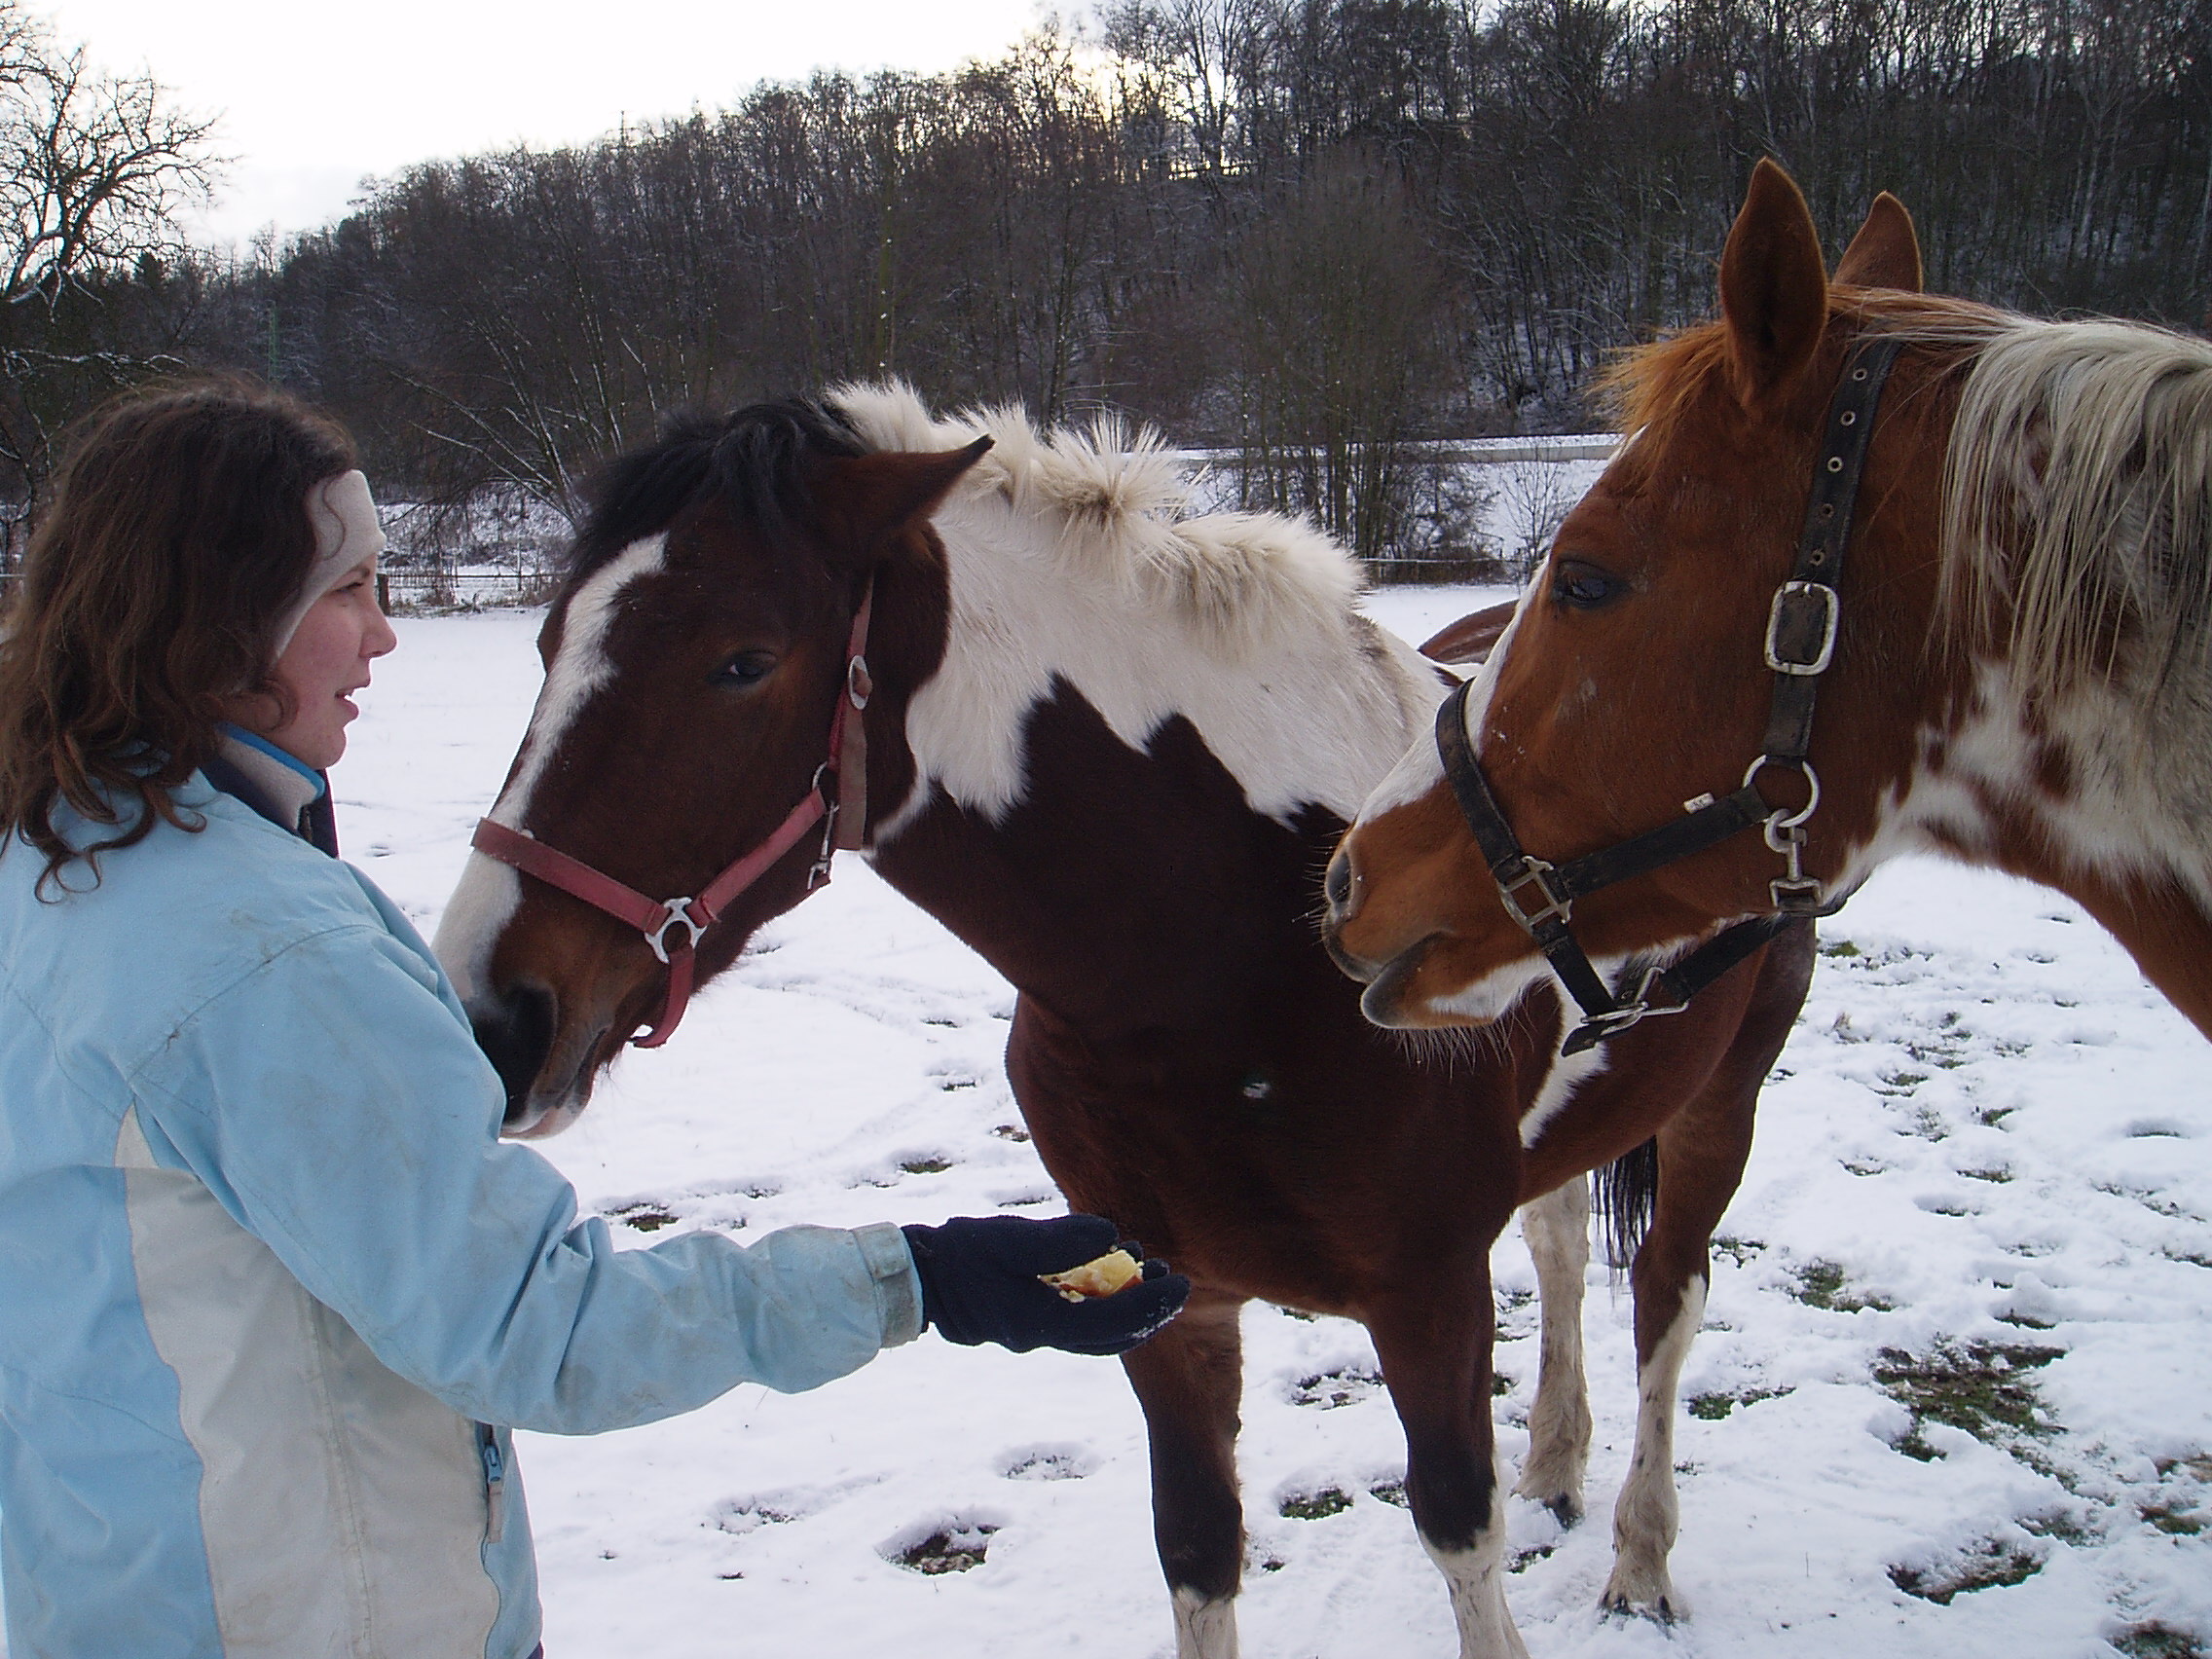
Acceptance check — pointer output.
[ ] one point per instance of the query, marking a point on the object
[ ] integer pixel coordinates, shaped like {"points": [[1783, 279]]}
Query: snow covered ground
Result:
{"points": [[1958, 1333]]}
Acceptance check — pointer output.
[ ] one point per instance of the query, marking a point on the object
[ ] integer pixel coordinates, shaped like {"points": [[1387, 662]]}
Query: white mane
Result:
{"points": [[1081, 557]]}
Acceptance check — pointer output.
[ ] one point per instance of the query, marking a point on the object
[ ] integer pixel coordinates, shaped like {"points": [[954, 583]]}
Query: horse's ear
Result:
{"points": [[1774, 287], [867, 498], [1886, 251]]}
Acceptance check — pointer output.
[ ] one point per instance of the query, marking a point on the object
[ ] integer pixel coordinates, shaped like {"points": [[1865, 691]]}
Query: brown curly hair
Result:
{"points": [[178, 537]]}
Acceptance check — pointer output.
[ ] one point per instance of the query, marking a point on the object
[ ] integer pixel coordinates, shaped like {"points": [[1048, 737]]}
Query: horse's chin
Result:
{"points": [[542, 1122], [1407, 995]]}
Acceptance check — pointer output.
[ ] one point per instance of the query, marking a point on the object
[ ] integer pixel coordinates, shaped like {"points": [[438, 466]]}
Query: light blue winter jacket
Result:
{"points": [[266, 1271]]}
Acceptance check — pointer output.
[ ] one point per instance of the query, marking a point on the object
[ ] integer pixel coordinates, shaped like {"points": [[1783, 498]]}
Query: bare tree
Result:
{"points": [[95, 169]]}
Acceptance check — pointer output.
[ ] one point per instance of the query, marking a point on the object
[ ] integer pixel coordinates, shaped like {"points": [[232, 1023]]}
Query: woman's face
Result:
{"points": [[327, 661]]}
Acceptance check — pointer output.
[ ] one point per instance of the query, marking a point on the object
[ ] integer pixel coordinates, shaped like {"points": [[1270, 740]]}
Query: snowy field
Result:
{"points": [[1950, 1401]]}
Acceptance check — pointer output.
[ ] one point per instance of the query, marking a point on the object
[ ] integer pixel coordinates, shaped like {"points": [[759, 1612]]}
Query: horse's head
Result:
{"points": [[695, 670], [1633, 681]]}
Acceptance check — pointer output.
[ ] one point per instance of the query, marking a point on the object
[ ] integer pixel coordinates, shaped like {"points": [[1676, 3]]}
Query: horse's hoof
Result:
{"points": [[1566, 1508]]}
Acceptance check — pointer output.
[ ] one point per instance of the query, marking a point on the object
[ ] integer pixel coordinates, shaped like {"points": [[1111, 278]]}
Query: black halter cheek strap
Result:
{"points": [[1800, 642]]}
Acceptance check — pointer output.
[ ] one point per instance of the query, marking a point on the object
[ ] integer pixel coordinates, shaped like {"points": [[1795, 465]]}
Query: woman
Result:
{"points": [[275, 1292]]}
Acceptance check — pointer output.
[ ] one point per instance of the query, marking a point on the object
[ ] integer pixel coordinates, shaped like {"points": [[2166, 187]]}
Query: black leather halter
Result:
{"points": [[1800, 642]]}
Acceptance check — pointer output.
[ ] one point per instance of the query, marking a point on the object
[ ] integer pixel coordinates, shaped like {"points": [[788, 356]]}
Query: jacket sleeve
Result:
{"points": [[338, 1110]]}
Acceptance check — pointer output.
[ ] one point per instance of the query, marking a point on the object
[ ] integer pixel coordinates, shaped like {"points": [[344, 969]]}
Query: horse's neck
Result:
{"points": [[2168, 930], [1125, 818], [1128, 890]]}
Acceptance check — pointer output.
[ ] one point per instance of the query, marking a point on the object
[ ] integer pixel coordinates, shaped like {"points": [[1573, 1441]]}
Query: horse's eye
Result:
{"points": [[747, 668], [1583, 586]]}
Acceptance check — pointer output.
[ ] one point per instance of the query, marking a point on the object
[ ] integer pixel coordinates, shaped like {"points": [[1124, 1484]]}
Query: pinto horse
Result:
{"points": [[2011, 649], [1109, 741]]}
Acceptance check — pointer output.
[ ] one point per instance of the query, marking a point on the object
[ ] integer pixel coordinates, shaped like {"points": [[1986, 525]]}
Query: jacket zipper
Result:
{"points": [[495, 1485]]}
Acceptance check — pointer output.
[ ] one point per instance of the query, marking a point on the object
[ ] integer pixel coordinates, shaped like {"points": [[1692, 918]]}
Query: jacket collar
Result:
{"points": [[282, 788]]}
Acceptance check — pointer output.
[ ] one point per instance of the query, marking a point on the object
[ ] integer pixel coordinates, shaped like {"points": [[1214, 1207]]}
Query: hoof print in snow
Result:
{"points": [[929, 1165], [1010, 1132], [1314, 1505], [948, 1546], [1987, 1564], [643, 1217], [750, 1514], [1049, 1464], [1347, 1386]]}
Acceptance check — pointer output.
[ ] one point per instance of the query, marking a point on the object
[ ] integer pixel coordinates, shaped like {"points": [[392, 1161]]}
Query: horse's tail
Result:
{"points": [[1624, 1193]]}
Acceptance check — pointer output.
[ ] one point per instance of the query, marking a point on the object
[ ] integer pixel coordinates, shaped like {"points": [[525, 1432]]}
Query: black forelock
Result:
{"points": [[752, 458]]}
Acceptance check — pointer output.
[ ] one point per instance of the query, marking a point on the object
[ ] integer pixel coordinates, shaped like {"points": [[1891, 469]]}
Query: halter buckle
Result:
{"points": [[678, 911], [1536, 871], [1799, 609]]}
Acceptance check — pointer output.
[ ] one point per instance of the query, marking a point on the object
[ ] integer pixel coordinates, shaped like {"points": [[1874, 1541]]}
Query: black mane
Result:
{"points": [[754, 458]]}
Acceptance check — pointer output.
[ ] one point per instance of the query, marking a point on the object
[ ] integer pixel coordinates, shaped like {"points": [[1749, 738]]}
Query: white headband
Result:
{"points": [[346, 533]]}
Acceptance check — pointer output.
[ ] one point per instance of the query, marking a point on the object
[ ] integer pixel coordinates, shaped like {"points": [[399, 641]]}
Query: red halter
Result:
{"points": [[844, 822]]}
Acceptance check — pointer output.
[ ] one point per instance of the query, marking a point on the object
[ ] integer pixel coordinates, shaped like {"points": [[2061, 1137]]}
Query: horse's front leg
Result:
{"points": [[1557, 1228], [1435, 1350], [1701, 1160], [1188, 1379]]}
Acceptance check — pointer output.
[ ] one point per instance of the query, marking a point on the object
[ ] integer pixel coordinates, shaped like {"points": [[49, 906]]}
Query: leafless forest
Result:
{"points": [[1322, 234]]}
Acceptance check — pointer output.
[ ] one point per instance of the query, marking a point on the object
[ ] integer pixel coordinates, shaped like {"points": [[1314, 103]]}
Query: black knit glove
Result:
{"points": [[980, 1284]]}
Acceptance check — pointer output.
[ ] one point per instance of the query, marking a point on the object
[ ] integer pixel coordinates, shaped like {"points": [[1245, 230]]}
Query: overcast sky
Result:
{"points": [[314, 97]]}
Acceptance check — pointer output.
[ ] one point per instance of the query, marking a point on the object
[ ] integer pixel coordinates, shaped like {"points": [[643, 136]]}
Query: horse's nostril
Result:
{"points": [[1336, 884], [515, 1030]]}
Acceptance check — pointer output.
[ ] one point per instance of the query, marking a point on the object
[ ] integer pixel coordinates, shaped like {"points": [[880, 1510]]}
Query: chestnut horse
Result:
{"points": [[1109, 742], [2013, 663]]}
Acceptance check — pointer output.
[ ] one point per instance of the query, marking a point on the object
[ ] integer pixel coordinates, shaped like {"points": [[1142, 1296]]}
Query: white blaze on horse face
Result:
{"points": [[1419, 771], [489, 891]]}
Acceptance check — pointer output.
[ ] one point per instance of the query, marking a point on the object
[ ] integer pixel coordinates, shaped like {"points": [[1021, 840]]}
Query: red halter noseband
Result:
{"points": [[844, 822]]}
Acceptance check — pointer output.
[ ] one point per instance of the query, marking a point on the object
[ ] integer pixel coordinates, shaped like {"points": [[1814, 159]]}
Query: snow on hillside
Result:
{"points": [[1949, 1401]]}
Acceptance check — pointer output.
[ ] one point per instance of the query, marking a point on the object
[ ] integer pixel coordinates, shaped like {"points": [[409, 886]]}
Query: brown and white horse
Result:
{"points": [[1109, 742], [2019, 669]]}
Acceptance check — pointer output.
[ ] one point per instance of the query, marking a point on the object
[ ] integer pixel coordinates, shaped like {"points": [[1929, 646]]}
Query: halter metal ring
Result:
{"points": [[1779, 819], [679, 915]]}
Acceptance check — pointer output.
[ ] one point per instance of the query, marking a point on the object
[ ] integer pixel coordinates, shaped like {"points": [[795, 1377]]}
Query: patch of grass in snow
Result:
{"points": [[1738, 1250], [643, 1217], [1822, 1284], [1711, 1408], [1523, 1560], [2174, 1519], [1985, 1565], [1976, 1387], [2157, 1641], [1997, 1176], [926, 1165], [1314, 1505], [1392, 1493], [2195, 1258], [1347, 1386], [1009, 1132], [1841, 949]]}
